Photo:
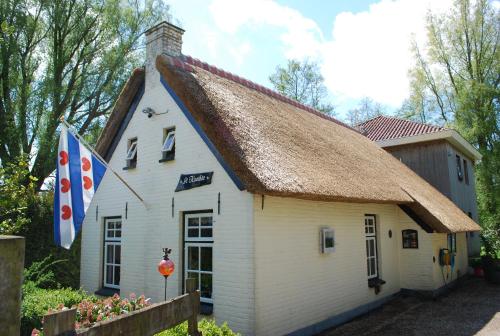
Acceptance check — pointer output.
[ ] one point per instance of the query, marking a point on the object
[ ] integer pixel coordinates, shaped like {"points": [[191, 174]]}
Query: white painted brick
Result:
{"points": [[146, 231]]}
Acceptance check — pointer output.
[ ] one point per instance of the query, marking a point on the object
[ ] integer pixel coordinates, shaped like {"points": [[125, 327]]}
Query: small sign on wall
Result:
{"points": [[190, 181]]}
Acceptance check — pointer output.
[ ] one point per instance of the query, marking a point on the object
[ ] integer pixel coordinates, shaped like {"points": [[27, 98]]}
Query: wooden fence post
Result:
{"points": [[191, 289], [59, 323], [11, 280]]}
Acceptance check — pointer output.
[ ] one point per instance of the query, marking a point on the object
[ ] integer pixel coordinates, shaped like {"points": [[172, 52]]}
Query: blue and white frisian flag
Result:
{"points": [[78, 175]]}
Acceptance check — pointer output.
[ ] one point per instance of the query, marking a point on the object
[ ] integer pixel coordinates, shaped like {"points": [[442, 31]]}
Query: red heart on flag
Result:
{"points": [[87, 182], [66, 212], [65, 185], [64, 157], [86, 164]]}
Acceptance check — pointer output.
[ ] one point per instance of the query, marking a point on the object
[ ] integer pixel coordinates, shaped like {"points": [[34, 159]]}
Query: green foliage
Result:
{"points": [[303, 82], [65, 58], [17, 189], [457, 82], [40, 243], [41, 273], [207, 328], [37, 301], [367, 109]]}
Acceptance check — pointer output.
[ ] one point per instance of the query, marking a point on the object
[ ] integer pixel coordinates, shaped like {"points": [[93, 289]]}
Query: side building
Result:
{"points": [[439, 155]]}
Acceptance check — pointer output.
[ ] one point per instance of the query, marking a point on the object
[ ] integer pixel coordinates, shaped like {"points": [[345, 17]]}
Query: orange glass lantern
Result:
{"points": [[166, 267]]}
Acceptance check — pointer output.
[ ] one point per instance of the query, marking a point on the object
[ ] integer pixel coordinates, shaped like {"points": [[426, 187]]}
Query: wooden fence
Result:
{"points": [[147, 321]]}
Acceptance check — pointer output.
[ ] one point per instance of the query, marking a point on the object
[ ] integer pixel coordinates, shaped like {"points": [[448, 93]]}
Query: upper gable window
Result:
{"points": [[131, 159], [168, 148], [466, 172], [460, 174]]}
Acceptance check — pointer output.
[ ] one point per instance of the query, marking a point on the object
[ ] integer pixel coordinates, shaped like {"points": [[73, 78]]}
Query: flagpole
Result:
{"points": [[102, 160]]}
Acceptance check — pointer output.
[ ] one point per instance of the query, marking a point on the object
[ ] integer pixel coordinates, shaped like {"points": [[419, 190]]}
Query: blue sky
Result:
{"points": [[363, 46]]}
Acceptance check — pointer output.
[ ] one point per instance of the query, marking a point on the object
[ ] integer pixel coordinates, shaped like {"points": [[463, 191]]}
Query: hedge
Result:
{"points": [[37, 301]]}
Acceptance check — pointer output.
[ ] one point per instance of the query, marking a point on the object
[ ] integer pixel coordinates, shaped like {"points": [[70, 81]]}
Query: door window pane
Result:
{"points": [[193, 233], [206, 233], [206, 259], [117, 254], [109, 258], [109, 274], [193, 258], [194, 275], [206, 285]]}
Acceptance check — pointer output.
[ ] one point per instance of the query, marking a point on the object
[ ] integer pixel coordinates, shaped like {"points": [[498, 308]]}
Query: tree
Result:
{"points": [[303, 82], [459, 77], [367, 109], [64, 58], [17, 190]]}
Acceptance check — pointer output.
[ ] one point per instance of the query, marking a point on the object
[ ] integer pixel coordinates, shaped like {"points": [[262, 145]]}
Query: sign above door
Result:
{"points": [[190, 181]]}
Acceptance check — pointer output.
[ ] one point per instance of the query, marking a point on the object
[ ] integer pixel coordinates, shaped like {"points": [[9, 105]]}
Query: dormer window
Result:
{"points": [[131, 159], [168, 148]]}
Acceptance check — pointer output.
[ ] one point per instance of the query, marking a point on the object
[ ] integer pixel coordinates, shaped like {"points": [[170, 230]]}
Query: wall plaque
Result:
{"points": [[190, 181]]}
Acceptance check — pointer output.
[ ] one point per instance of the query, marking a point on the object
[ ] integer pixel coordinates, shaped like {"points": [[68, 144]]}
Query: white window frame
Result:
{"points": [[170, 134], [325, 232], [111, 241], [199, 227], [199, 271], [371, 235], [132, 150], [198, 242]]}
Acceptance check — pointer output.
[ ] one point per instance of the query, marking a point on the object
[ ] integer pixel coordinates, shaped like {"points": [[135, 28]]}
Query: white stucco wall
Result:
{"points": [[147, 231], [416, 265], [296, 285]]}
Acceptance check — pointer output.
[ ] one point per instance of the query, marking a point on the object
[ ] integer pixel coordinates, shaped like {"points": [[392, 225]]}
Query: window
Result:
{"points": [[327, 240], [410, 239], [168, 149], [459, 168], [371, 246], [198, 248], [452, 242], [466, 172], [112, 251], [131, 159]]}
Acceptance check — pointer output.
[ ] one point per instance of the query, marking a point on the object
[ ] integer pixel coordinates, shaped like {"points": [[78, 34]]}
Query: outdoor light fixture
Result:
{"points": [[150, 112], [166, 267]]}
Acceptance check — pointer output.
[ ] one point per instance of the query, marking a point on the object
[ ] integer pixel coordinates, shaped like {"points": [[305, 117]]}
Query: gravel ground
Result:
{"points": [[472, 308]]}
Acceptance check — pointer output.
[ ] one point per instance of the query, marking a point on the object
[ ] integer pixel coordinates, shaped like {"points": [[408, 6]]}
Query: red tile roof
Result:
{"points": [[385, 128]]}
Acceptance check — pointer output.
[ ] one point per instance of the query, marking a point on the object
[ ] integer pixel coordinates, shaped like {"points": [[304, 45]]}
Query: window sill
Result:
{"points": [[128, 168], [206, 308], [167, 158], [375, 282], [105, 291]]}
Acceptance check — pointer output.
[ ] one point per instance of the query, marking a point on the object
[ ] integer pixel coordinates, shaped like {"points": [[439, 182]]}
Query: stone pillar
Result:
{"points": [[11, 279]]}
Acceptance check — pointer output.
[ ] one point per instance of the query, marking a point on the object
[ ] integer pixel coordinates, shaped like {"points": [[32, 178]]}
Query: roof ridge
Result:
{"points": [[185, 62]]}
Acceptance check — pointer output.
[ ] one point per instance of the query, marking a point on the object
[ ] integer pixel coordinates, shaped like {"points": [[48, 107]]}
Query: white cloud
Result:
{"points": [[301, 36], [369, 52]]}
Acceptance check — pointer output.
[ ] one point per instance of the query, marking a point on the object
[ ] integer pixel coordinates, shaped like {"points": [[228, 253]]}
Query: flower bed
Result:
{"points": [[90, 311]]}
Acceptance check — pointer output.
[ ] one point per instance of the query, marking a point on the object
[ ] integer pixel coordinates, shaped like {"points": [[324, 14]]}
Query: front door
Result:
{"points": [[198, 248]]}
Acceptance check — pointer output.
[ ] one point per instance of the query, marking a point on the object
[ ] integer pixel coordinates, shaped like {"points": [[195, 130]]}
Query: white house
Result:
{"points": [[292, 221]]}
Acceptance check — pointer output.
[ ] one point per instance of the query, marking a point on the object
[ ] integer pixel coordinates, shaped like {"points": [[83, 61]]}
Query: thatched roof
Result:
{"points": [[280, 148]]}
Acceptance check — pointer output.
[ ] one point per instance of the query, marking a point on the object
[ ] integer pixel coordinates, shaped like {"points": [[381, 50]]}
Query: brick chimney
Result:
{"points": [[164, 38]]}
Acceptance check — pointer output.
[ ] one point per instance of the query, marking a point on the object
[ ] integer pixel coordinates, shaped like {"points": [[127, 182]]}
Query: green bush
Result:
{"points": [[37, 301], [207, 328]]}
